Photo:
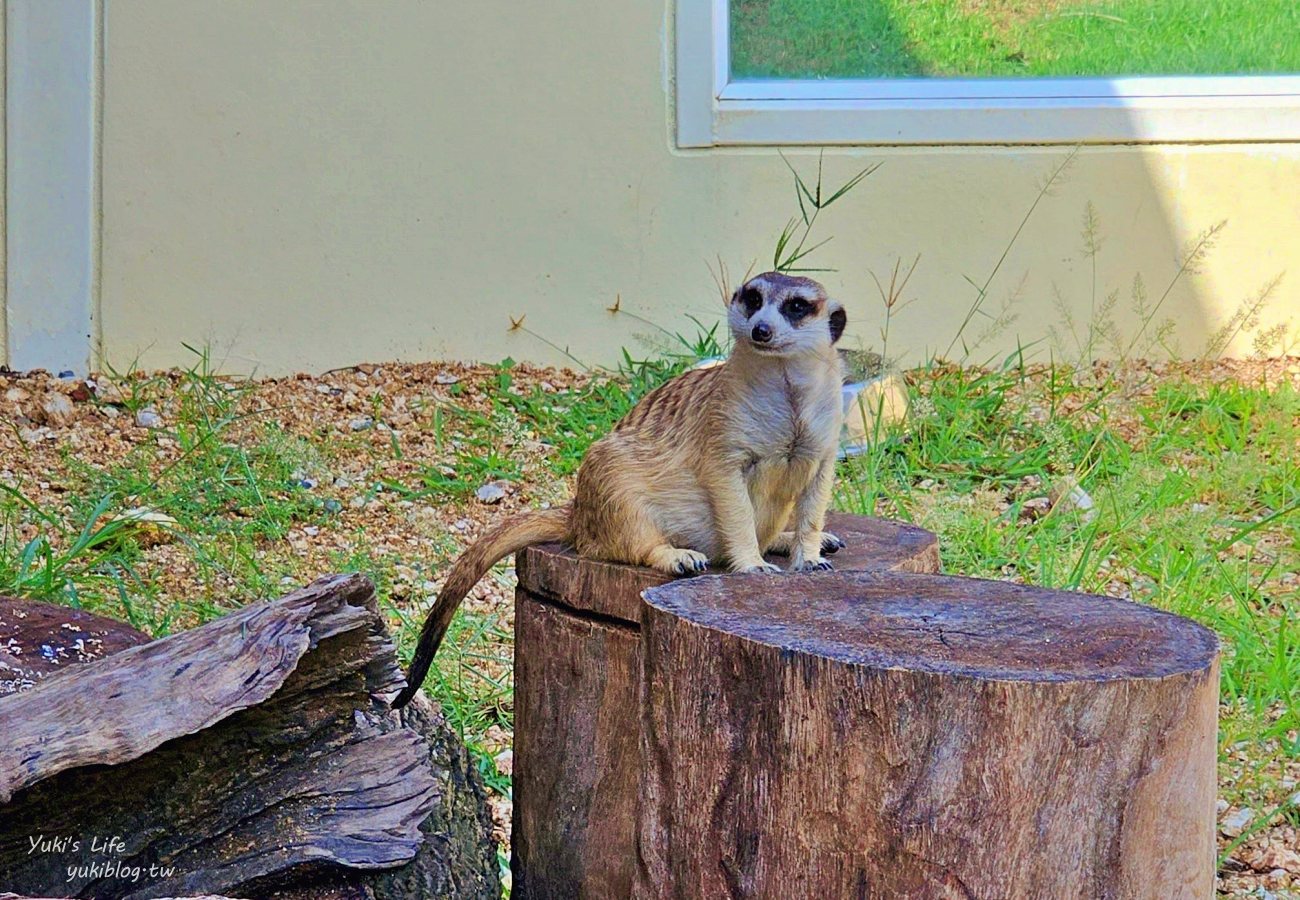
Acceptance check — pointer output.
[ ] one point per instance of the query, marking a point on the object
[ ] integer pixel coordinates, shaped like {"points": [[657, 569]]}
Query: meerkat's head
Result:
{"points": [[784, 315]]}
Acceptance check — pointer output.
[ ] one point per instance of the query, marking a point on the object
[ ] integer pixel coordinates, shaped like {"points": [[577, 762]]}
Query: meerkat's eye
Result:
{"points": [[752, 300], [797, 308]]}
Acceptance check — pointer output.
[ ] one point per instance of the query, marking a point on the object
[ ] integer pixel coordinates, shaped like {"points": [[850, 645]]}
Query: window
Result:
{"points": [[986, 71]]}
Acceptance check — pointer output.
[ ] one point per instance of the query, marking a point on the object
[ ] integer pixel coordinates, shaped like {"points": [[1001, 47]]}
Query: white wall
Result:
{"points": [[310, 184]]}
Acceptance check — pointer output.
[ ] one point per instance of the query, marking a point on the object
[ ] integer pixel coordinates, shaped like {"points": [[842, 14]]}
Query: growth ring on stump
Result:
{"points": [[884, 735], [577, 758]]}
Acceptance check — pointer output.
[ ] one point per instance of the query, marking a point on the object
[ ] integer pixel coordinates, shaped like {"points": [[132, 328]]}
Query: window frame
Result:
{"points": [[716, 110]]}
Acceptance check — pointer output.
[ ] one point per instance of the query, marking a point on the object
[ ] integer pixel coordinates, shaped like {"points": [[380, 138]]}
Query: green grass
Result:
{"points": [[1196, 495], [1196, 488], [227, 495], [1007, 38], [1196, 492]]}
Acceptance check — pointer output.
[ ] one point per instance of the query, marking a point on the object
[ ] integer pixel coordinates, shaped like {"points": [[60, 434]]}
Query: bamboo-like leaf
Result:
{"points": [[852, 183], [800, 254], [781, 243], [799, 182]]}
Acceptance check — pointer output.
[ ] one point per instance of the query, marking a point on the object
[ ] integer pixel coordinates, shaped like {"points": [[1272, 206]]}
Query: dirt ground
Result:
{"points": [[349, 422]]}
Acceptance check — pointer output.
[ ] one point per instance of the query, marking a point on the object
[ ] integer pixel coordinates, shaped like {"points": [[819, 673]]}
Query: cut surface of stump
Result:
{"points": [[889, 735], [577, 757], [38, 640]]}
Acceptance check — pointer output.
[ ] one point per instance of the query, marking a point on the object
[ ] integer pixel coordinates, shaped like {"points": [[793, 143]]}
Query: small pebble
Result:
{"points": [[57, 409], [445, 378], [67, 374], [311, 531], [1236, 823], [147, 418], [333, 506], [492, 492], [1035, 508], [361, 424]]}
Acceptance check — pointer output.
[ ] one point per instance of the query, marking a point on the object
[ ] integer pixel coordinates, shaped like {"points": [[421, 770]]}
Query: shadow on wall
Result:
{"points": [[1071, 254], [1100, 216], [1067, 253]]}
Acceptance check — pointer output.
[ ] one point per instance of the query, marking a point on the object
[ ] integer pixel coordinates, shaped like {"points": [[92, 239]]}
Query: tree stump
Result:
{"points": [[255, 756], [577, 760], [38, 640], [882, 735]]}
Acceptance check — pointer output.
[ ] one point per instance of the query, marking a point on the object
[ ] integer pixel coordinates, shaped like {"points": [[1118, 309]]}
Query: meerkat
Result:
{"points": [[713, 468]]}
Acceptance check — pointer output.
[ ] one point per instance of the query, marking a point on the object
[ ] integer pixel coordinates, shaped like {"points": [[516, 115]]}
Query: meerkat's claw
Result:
{"points": [[689, 565], [678, 562], [832, 543], [760, 569]]}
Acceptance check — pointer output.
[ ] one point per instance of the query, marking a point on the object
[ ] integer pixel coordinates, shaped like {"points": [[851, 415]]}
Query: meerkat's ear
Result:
{"points": [[838, 319]]}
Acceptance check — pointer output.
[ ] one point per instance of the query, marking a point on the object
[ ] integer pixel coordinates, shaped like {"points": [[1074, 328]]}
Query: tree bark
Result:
{"points": [[881, 735], [253, 756], [577, 757]]}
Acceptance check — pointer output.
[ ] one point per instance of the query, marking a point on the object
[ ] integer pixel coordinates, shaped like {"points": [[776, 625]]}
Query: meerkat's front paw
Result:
{"points": [[831, 543], [679, 562], [762, 568]]}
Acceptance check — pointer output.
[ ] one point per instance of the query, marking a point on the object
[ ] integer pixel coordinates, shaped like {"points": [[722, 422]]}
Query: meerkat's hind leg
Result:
{"points": [[785, 543], [676, 561]]}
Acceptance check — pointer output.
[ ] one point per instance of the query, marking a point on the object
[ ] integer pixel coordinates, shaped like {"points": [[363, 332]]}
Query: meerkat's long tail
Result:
{"points": [[506, 538]]}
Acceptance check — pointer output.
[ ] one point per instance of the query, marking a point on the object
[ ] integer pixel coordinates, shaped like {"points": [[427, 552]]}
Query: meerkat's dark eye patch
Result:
{"points": [[752, 300], [796, 309]]}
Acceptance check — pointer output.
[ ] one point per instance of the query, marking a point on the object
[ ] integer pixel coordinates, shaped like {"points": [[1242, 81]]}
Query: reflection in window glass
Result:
{"points": [[1008, 38]]}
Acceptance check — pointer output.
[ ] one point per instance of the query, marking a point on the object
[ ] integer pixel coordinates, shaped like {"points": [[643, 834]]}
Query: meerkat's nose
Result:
{"points": [[762, 333]]}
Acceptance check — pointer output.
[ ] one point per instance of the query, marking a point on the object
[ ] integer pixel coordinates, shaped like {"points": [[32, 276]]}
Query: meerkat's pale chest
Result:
{"points": [[792, 424]]}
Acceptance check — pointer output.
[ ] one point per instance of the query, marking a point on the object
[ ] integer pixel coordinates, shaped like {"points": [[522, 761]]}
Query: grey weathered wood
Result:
{"points": [[577, 758], [252, 756], [884, 735]]}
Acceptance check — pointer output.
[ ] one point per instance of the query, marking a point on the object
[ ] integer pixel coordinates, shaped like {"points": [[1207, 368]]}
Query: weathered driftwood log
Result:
{"points": [[254, 756], [577, 760], [922, 736]]}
